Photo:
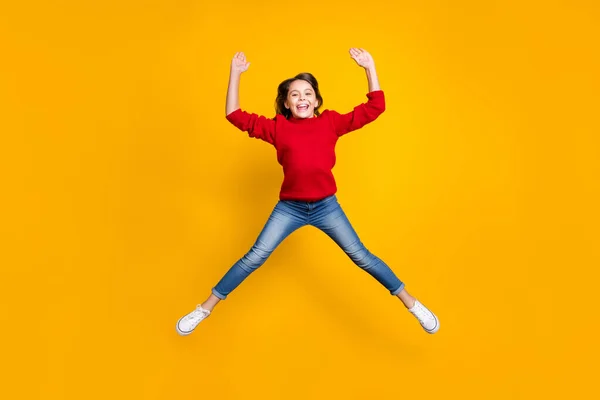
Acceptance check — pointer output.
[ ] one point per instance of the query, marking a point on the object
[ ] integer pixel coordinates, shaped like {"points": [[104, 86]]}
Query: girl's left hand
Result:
{"points": [[362, 57]]}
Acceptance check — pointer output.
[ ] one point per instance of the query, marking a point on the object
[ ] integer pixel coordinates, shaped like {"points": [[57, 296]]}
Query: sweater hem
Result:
{"points": [[310, 199]]}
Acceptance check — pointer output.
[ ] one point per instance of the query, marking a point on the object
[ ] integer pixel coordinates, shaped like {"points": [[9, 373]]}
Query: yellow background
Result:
{"points": [[127, 195]]}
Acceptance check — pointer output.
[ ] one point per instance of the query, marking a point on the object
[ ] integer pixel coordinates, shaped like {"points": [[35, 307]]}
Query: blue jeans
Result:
{"points": [[288, 215]]}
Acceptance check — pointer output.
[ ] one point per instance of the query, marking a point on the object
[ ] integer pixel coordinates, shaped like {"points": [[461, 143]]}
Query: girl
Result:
{"points": [[305, 142]]}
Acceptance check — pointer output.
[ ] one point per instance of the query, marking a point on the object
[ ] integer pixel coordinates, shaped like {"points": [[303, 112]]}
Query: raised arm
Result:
{"points": [[238, 66], [366, 112], [364, 59], [257, 126]]}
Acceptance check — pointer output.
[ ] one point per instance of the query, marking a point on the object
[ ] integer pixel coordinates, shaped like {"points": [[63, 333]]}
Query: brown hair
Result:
{"points": [[284, 88]]}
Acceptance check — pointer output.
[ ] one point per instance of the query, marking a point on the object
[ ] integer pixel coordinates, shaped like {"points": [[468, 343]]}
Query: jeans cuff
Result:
{"points": [[395, 292], [219, 295]]}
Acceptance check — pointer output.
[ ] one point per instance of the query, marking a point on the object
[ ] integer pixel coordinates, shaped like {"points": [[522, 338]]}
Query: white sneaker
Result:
{"points": [[189, 322], [428, 320]]}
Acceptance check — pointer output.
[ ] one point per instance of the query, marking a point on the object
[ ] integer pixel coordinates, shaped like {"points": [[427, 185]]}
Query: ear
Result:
{"points": [[316, 103], [285, 103]]}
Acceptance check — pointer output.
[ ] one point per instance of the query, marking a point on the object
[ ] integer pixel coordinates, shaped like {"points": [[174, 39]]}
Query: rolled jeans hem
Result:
{"points": [[219, 295], [395, 292]]}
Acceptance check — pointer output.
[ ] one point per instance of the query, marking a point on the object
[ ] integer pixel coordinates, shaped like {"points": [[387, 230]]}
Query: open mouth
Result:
{"points": [[302, 107]]}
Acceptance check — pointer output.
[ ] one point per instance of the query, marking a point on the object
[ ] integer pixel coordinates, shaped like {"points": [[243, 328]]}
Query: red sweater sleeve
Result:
{"points": [[258, 127], [361, 115]]}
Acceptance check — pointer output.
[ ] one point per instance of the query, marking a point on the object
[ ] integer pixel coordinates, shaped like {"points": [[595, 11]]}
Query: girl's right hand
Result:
{"points": [[239, 63]]}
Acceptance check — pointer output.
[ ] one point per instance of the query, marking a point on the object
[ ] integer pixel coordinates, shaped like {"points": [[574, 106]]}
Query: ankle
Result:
{"points": [[406, 299], [210, 303]]}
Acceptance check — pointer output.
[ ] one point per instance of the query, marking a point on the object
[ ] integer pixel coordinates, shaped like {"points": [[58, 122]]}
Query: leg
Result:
{"points": [[331, 219], [282, 222], [210, 303], [406, 298]]}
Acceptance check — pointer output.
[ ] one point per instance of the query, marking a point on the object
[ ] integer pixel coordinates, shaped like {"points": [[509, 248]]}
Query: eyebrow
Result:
{"points": [[296, 90]]}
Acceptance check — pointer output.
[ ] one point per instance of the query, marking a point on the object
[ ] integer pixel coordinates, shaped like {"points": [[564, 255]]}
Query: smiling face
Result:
{"points": [[301, 99]]}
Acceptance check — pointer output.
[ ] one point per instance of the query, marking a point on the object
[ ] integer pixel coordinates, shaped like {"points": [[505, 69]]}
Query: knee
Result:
{"points": [[256, 256], [359, 254]]}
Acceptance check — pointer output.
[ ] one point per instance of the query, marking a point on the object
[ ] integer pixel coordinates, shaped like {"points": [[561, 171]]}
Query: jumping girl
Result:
{"points": [[305, 142]]}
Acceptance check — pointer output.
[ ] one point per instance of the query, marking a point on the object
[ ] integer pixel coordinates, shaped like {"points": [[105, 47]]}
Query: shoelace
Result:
{"points": [[421, 314], [197, 315]]}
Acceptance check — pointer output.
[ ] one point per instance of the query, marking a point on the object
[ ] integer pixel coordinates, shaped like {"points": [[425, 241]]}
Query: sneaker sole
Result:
{"points": [[436, 328], [182, 333]]}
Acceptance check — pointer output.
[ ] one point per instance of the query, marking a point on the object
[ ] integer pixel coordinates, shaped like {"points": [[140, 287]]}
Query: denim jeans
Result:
{"points": [[288, 215]]}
